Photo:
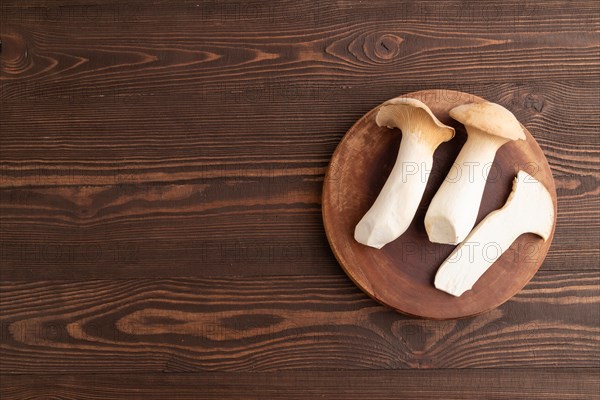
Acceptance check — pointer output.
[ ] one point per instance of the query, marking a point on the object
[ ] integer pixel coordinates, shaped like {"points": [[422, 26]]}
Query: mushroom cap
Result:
{"points": [[413, 117], [533, 205], [490, 118]]}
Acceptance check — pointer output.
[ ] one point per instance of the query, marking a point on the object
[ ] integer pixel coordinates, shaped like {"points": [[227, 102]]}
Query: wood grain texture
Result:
{"points": [[184, 195], [142, 141], [135, 224], [346, 41], [493, 384], [248, 221], [284, 323]]}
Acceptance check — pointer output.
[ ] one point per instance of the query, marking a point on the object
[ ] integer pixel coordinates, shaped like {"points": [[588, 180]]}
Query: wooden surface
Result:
{"points": [[401, 274], [161, 166]]}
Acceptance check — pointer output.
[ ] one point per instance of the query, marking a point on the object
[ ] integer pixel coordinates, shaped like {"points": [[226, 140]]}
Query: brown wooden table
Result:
{"points": [[161, 172]]}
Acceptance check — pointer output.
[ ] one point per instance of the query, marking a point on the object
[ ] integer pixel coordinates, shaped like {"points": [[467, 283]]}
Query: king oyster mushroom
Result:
{"points": [[454, 208], [395, 207], [529, 208]]}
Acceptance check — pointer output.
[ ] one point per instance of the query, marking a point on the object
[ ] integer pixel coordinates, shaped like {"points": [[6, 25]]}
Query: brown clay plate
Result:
{"points": [[401, 274]]}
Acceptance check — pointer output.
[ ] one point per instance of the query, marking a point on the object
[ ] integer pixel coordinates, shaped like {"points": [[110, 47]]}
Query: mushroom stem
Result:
{"points": [[454, 208], [397, 203], [529, 208]]}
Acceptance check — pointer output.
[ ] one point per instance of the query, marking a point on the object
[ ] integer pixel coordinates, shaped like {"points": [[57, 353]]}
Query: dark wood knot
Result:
{"points": [[387, 46]]}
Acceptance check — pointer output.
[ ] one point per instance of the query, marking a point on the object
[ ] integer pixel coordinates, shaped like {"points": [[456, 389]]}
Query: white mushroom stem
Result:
{"points": [[397, 203], [395, 207], [529, 208], [454, 208]]}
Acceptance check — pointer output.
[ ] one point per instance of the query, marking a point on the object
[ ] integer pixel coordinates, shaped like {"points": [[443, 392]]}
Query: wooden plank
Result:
{"points": [[227, 227], [102, 232], [284, 323], [492, 384], [165, 49], [272, 131]]}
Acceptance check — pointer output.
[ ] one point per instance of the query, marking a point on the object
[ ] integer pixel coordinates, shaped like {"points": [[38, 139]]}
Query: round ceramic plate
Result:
{"points": [[401, 274]]}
